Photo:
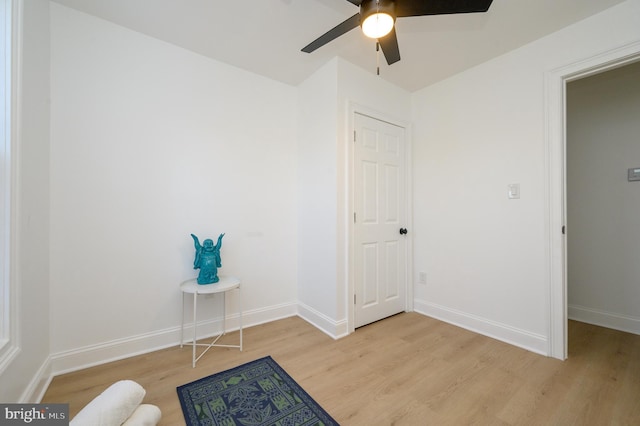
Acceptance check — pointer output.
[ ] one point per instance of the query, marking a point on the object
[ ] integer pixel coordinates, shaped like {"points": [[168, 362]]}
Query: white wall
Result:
{"points": [[26, 376], [602, 217], [326, 99], [150, 143], [317, 203], [486, 257]]}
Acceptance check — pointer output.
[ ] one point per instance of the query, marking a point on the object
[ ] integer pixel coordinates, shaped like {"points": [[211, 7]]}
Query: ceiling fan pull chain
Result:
{"points": [[377, 57], [377, 42]]}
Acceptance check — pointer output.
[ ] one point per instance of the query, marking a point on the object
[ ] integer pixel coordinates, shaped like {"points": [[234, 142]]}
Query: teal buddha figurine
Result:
{"points": [[207, 259]]}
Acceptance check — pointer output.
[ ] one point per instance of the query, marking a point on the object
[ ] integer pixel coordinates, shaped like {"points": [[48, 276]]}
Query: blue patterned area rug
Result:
{"points": [[253, 394]]}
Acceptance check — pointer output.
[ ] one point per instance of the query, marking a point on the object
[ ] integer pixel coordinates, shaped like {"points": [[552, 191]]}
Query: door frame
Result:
{"points": [[556, 148], [353, 109]]}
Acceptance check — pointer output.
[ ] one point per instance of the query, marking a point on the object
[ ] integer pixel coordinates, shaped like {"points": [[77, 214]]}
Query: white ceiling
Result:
{"points": [[265, 36]]}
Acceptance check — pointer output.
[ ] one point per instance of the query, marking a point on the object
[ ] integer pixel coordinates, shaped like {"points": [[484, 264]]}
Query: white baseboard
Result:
{"points": [[89, 356], [530, 341], [334, 329], [38, 384], [620, 322]]}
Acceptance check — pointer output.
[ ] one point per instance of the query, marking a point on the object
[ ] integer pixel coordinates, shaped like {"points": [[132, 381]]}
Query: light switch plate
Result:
{"points": [[633, 174], [513, 191]]}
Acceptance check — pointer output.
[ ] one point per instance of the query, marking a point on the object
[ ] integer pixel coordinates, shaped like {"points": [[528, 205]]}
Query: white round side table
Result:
{"points": [[225, 284]]}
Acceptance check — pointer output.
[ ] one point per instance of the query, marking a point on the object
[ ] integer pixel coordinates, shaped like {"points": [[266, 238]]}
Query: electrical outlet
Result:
{"points": [[422, 277]]}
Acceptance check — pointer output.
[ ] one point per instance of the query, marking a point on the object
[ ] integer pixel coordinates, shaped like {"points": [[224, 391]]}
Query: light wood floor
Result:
{"points": [[405, 370]]}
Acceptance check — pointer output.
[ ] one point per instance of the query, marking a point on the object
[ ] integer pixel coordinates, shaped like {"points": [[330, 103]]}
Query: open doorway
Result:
{"points": [[603, 198], [555, 82]]}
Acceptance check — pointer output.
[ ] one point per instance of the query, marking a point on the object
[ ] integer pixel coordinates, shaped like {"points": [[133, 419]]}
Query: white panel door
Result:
{"points": [[379, 214]]}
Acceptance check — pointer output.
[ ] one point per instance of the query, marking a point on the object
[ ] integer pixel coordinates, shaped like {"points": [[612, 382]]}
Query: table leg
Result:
{"points": [[182, 324], [224, 312], [195, 303], [240, 306]]}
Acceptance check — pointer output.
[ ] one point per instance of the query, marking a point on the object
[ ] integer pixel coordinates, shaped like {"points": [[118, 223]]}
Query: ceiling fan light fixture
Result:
{"points": [[377, 25], [377, 17]]}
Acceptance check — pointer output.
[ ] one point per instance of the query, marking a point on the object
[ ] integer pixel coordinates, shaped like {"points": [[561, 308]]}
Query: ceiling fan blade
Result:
{"points": [[389, 45], [333, 33], [440, 7], [356, 2]]}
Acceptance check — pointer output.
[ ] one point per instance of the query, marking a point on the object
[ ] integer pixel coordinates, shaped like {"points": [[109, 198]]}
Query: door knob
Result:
{"points": [[403, 231]]}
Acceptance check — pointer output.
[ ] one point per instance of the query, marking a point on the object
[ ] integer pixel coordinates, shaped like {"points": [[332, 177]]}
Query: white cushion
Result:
{"points": [[112, 407]]}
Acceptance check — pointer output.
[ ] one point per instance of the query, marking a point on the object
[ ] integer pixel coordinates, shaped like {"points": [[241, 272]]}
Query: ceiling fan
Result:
{"points": [[377, 19]]}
